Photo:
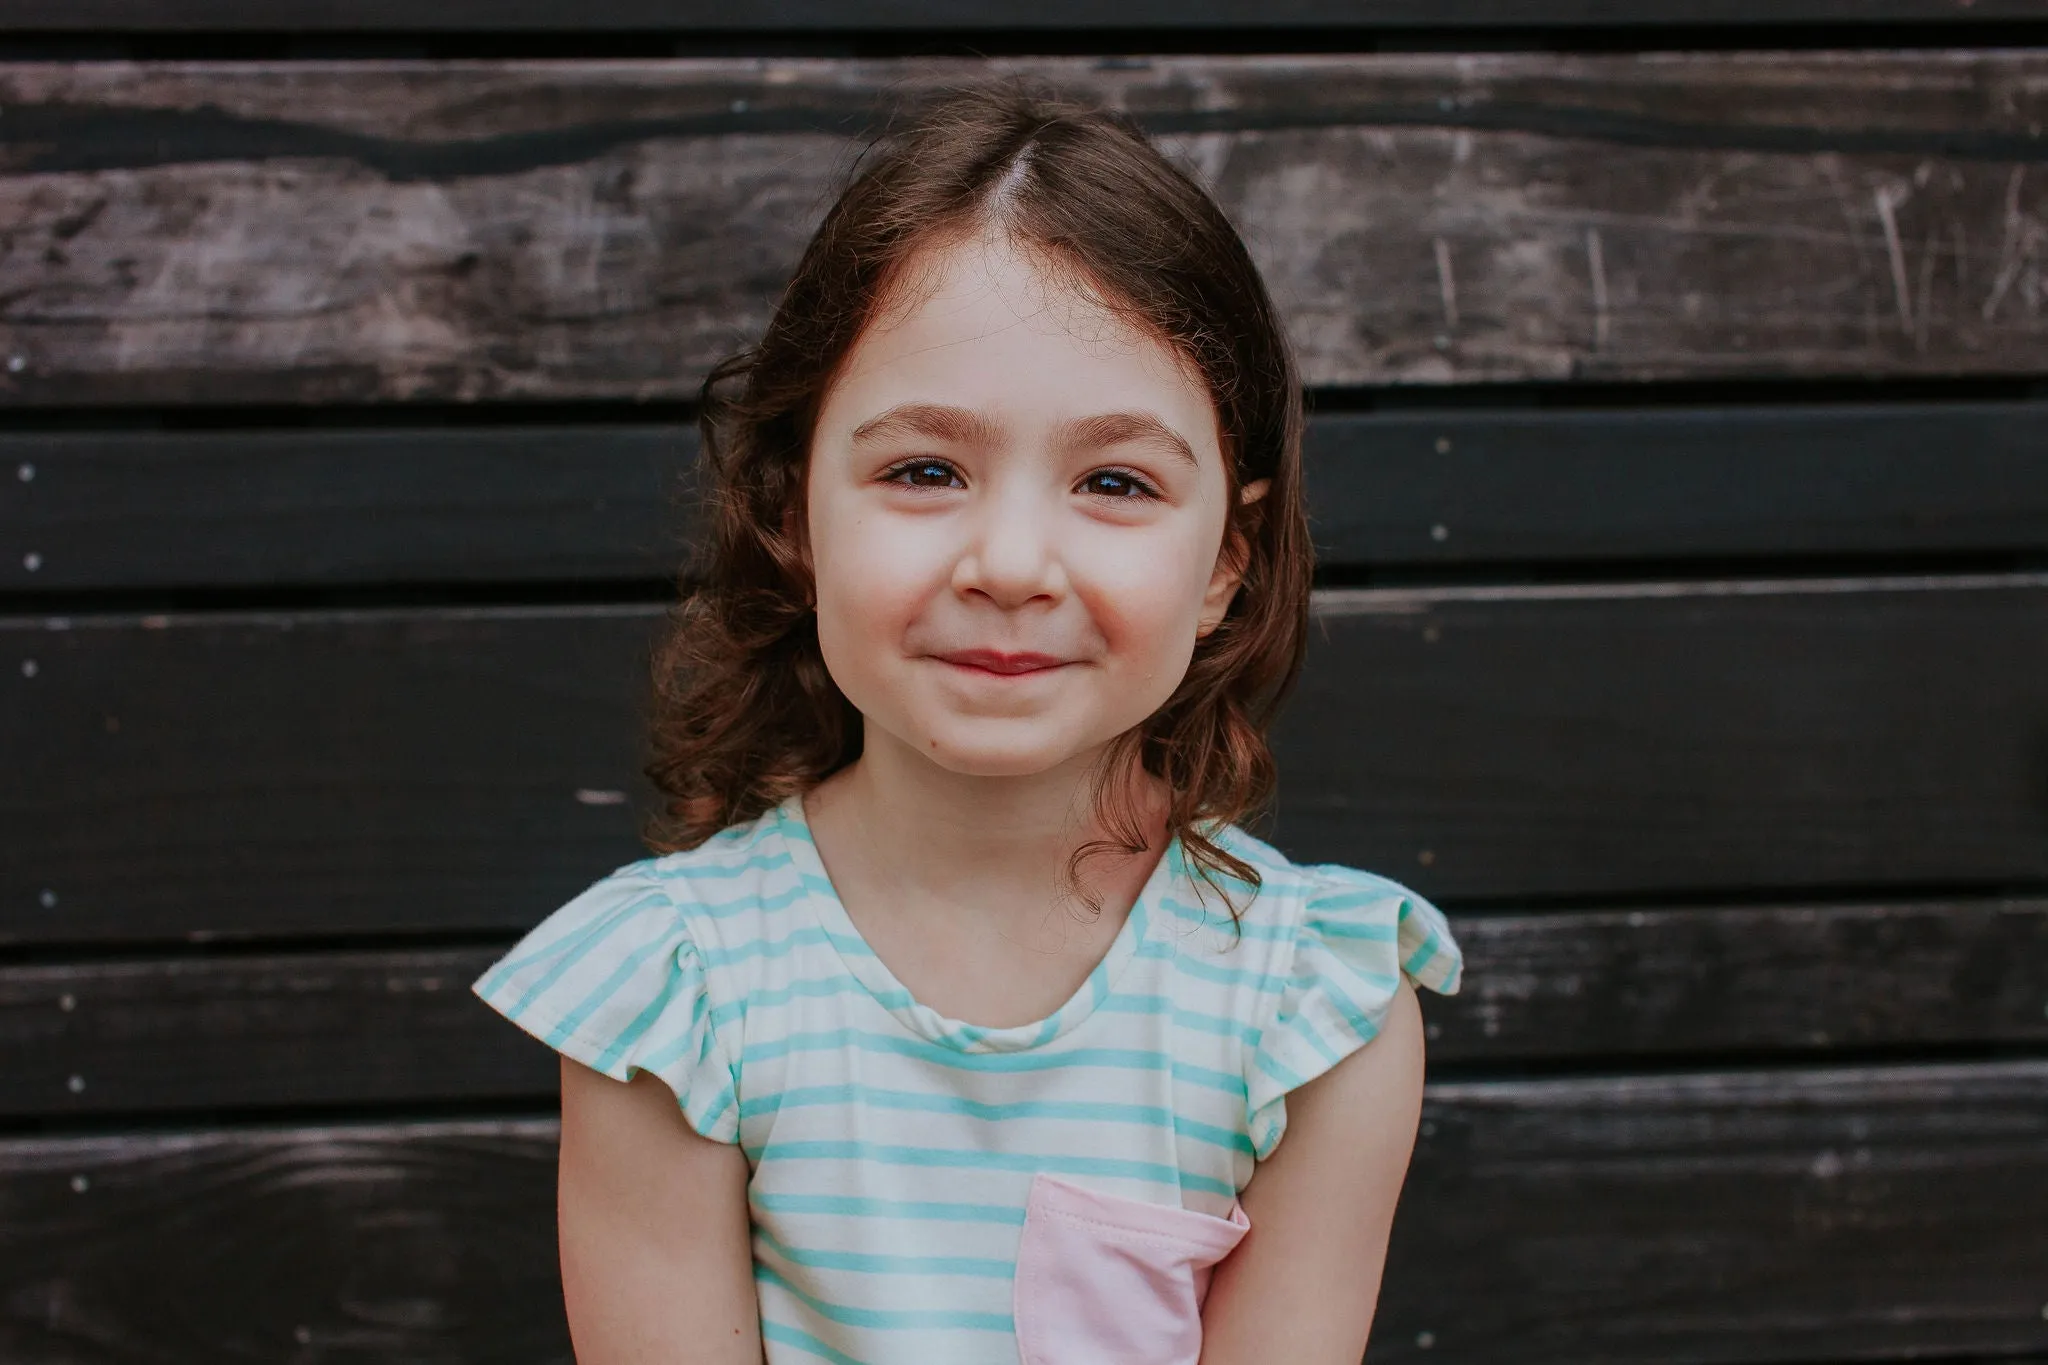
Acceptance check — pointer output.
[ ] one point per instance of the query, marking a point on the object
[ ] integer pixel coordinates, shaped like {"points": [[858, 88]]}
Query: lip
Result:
{"points": [[1002, 665]]}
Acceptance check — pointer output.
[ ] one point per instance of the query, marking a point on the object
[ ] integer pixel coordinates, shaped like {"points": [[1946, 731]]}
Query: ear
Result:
{"points": [[1231, 560]]}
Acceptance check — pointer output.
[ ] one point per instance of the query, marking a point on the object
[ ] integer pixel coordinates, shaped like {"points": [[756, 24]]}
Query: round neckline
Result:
{"points": [[867, 967]]}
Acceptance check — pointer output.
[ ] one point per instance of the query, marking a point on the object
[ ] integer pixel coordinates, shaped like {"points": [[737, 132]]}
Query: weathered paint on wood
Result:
{"points": [[1743, 1216], [317, 232], [970, 16], [1459, 486], [197, 775], [255, 1032]]}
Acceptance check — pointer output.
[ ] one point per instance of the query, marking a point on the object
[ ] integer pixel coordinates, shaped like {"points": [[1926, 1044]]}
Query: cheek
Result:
{"points": [[872, 580], [1145, 595]]}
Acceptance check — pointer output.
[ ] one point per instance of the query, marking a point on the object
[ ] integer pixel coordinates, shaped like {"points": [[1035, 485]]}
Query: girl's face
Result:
{"points": [[1016, 517]]}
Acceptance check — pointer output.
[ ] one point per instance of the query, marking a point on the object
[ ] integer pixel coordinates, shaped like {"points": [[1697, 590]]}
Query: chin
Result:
{"points": [[982, 749], [986, 761]]}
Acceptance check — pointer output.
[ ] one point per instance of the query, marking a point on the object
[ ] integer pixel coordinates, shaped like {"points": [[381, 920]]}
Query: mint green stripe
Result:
{"points": [[591, 932], [1134, 1059], [1266, 983], [892, 1154], [1198, 1020], [888, 1319], [1347, 929], [808, 988], [656, 1007], [917, 1210], [1288, 1080], [864, 1263], [760, 862], [1196, 914], [782, 947], [1087, 1111], [628, 967]]}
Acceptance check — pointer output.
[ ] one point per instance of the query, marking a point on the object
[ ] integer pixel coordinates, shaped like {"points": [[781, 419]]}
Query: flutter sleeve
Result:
{"points": [[614, 980], [1358, 935]]}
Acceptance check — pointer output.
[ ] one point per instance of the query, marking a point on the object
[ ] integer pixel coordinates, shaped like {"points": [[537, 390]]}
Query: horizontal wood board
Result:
{"points": [[395, 1027], [320, 232], [515, 503], [1648, 739], [1744, 1216], [799, 16], [336, 506], [429, 770]]}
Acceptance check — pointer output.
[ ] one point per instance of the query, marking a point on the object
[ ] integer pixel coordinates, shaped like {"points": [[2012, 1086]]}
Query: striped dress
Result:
{"points": [[893, 1150]]}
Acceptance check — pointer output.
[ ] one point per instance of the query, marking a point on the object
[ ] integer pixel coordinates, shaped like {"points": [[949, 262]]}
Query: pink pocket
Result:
{"points": [[1105, 1280]]}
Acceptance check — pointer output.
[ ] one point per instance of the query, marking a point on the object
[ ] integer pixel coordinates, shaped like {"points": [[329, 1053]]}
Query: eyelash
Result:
{"points": [[1141, 487]]}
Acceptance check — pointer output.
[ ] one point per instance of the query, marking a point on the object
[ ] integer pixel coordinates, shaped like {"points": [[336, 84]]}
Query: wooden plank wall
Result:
{"points": [[1679, 463]]}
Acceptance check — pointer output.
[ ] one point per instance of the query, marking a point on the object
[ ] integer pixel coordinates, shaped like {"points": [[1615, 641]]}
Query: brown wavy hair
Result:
{"points": [[744, 713]]}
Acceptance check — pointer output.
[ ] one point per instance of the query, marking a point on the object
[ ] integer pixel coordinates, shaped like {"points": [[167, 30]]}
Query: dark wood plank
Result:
{"points": [[396, 1027], [321, 232], [800, 16], [1798, 1215], [1477, 486], [314, 773], [130, 509], [1644, 983], [1635, 740], [358, 1243], [339, 506], [255, 1032], [425, 770], [1749, 1216]]}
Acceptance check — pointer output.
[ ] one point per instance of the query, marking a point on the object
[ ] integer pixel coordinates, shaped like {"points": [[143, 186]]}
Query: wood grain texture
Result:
{"points": [[1474, 486], [1638, 740], [427, 770], [192, 776], [1744, 1216], [1796, 1215], [397, 1027], [368, 231], [799, 16], [132, 509], [1652, 983], [333, 506]]}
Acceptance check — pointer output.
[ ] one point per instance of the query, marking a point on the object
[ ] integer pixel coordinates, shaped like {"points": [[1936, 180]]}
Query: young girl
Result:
{"points": [[959, 1022]]}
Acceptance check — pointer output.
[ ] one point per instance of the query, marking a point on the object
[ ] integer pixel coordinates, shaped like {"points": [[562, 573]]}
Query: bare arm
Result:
{"points": [[1302, 1284], [657, 1263]]}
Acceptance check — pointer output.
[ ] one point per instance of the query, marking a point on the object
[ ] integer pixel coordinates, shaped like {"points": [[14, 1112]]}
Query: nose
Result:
{"points": [[1012, 556]]}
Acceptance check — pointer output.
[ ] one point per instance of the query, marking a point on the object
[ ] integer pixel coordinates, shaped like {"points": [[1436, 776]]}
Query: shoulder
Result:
{"points": [[735, 886], [659, 926], [1331, 906]]}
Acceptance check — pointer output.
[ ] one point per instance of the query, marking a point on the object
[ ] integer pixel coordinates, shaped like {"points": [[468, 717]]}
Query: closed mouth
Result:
{"points": [[1001, 664]]}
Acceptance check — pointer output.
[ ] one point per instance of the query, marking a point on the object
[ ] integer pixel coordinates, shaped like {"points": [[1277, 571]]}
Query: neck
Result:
{"points": [[1003, 843]]}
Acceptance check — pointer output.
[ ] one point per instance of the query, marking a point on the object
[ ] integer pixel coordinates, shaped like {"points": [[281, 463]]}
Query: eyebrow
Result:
{"points": [[1119, 428], [941, 422], [934, 421]]}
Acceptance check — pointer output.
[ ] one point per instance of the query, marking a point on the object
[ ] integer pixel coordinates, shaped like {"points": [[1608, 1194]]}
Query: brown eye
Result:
{"points": [[1114, 483], [926, 474]]}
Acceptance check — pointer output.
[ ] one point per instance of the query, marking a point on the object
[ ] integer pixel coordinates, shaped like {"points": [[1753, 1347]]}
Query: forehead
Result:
{"points": [[988, 325]]}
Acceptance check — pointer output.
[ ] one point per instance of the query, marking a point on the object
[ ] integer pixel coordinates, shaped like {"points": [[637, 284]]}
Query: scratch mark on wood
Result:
{"points": [[1901, 290], [1446, 284], [2009, 257], [1924, 310], [1596, 261]]}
